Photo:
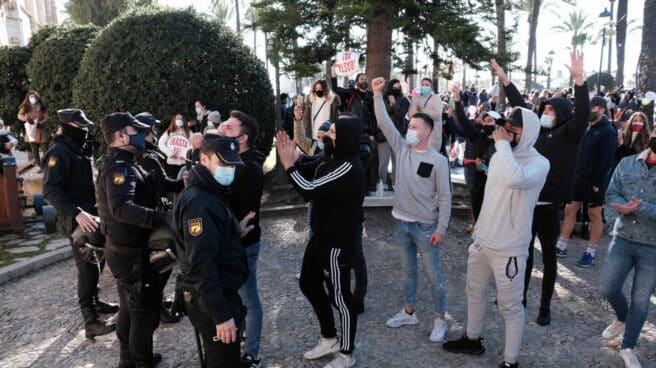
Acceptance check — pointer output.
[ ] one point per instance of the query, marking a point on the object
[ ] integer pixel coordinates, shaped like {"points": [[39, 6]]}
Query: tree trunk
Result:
{"points": [[436, 62], [648, 50], [533, 27], [255, 41], [620, 39], [237, 15], [501, 47], [379, 40], [278, 106], [410, 63]]}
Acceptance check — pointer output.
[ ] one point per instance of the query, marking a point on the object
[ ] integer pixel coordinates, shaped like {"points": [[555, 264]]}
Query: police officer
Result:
{"points": [[126, 202], [68, 186], [152, 160], [211, 256]]}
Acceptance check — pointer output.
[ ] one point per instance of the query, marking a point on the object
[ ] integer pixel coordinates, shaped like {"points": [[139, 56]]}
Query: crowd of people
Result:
{"points": [[190, 192]]}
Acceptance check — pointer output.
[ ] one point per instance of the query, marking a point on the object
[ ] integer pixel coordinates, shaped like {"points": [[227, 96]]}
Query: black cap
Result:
{"points": [[73, 115], [515, 118], [147, 118], [119, 120], [599, 101], [227, 148]]}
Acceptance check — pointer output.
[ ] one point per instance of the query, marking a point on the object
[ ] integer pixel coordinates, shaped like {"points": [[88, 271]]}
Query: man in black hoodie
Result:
{"points": [[559, 137], [244, 198], [211, 255], [336, 188]]}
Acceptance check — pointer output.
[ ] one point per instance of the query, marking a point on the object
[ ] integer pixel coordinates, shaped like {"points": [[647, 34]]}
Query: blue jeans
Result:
{"points": [[251, 299], [412, 237], [624, 255]]}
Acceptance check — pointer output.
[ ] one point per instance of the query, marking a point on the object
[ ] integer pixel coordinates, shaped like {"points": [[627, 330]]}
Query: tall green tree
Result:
{"points": [[575, 23], [648, 48], [100, 12]]}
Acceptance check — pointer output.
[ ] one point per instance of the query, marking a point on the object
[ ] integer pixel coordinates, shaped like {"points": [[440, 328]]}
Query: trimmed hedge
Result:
{"points": [[13, 84], [41, 35], [55, 63], [161, 61]]}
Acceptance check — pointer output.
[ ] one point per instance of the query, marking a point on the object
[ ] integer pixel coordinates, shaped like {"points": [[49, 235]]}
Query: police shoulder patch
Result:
{"points": [[195, 226], [119, 178], [52, 161]]}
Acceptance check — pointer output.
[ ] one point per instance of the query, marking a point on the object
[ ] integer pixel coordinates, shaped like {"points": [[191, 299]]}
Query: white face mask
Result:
{"points": [[546, 121], [210, 124], [412, 137], [179, 123], [33, 100]]}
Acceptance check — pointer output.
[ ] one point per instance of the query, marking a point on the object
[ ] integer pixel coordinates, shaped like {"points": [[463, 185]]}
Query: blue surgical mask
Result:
{"points": [[424, 90], [138, 141], [179, 123], [412, 137], [224, 175], [198, 110], [321, 145]]}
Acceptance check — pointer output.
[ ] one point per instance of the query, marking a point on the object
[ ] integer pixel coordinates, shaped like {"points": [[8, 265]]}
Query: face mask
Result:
{"points": [[179, 123], [652, 144], [546, 121], [33, 100], [594, 115], [210, 124], [424, 90], [412, 137], [77, 135], [514, 142], [328, 146], [138, 141], [396, 91], [319, 93], [488, 129], [224, 175], [636, 126], [321, 145], [363, 85], [198, 110]]}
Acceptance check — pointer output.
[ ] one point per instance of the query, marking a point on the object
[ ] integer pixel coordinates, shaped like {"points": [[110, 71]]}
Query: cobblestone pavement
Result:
{"points": [[40, 324]]}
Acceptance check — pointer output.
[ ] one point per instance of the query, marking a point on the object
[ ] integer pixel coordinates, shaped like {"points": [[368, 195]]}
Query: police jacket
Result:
{"points": [[336, 186], [68, 181], [559, 144], [246, 192], [151, 161], [212, 259], [127, 195]]}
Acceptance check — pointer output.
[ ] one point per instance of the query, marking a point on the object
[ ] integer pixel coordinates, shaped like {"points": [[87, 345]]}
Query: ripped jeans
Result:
{"points": [[484, 265]]}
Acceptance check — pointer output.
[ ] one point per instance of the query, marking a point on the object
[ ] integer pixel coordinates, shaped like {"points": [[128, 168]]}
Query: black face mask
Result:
{"points": [[488, 129], [319, 93], [77, 135], [514, 142], [652, 144], [396, 92], [363, 85], [328, 147]]}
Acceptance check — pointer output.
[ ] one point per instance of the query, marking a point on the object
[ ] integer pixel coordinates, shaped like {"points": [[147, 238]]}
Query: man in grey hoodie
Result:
{"points": [[516, 175]]}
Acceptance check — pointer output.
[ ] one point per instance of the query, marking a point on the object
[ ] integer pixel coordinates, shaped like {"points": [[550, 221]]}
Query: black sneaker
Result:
{"points": [[247, 361], [465, 345], [508, 365], [544, 317], [106, 308]]}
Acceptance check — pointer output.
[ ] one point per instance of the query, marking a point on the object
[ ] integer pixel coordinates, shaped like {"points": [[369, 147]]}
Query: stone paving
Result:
{"points": [[40, 324], [32, 241]]}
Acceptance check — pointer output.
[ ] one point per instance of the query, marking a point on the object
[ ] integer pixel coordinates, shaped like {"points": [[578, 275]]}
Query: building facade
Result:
{"points": [[20, 18]]}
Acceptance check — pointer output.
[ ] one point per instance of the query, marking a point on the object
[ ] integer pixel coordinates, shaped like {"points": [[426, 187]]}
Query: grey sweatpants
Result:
{"points": [[508, 274]]}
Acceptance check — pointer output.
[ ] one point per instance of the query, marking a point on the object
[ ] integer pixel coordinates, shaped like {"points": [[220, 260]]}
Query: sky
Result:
{"points": [[553, 12]]}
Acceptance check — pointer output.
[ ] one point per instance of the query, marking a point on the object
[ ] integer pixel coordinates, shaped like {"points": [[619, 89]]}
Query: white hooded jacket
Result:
{"points": [[515, 179]]}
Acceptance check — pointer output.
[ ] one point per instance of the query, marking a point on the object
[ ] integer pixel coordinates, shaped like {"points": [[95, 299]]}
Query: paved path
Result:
{"points": [[40, 324]]}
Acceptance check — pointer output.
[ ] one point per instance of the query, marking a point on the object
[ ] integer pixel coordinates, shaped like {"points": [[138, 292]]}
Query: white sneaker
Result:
{"points": [[402, 318], [613, 330], [341, 361], [439, 330], [324, 347], [630, 359]]}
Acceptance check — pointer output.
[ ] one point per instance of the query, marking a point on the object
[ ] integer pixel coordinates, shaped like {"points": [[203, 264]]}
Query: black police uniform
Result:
{"points": [[68, 186], [126, 202], [212, 262]]}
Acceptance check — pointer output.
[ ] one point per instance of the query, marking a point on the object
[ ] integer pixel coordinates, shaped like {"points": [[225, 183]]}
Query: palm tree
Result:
{"points": [[575, 23], [251, 16], [648, 49], [620, 39], [222, 10]]}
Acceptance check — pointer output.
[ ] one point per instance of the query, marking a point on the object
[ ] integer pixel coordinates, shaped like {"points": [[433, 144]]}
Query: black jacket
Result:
{"points": [[127, 196], [246, 192], [68, 181], [336, 186], [559, 144], [482, 146], [397, 114], [151, 161], [212, 259], [597, 153], [360, 103]]}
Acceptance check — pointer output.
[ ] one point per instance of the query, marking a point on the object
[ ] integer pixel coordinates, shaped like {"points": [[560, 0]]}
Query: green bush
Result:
{"points": [[41, 35], [55, 63], [161, 61], [13, 84], [607, 80]]}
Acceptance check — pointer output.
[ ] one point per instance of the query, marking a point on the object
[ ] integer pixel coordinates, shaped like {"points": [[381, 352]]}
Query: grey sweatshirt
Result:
{"points": [[422, 178]]}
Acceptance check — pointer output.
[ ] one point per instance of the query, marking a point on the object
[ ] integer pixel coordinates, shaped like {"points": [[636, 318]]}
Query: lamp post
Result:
{"points": [[603, 14], [550, 62], [610, 35]]}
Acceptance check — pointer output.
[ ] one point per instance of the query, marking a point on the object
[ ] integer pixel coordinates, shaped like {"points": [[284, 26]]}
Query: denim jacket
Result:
{"points": [[633, 178]]}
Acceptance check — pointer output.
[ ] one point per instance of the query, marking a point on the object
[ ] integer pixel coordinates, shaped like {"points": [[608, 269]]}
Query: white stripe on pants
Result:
{"points": [[339, 299], [482, 266]]}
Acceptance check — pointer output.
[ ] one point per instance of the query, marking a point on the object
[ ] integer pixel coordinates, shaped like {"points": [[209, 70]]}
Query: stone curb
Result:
{"points": [[19, 269]]}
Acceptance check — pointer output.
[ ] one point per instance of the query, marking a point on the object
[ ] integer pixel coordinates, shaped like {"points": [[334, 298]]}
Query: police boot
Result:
{"points": [[166, 316], [93, 326], [129, 363], [104, 308]]}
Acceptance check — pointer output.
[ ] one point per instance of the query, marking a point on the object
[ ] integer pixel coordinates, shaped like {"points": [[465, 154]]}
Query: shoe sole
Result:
{"points": [[402, 324], [584, 266], [469, 352], [323, 355]]}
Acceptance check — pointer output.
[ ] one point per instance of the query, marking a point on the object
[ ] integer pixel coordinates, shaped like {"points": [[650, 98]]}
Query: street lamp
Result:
{"points": [[604, 14], [550, 62]]}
